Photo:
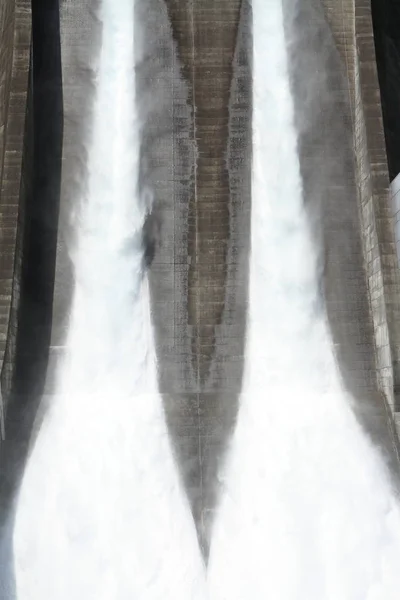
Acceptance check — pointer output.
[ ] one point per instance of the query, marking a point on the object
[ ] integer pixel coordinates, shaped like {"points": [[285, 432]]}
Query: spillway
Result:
{"points": [[304, 507], [94, 512], [307, 507]]}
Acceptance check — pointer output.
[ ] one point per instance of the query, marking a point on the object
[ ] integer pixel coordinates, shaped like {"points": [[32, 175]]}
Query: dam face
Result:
{"points": [[200, 180], [194, 100]]}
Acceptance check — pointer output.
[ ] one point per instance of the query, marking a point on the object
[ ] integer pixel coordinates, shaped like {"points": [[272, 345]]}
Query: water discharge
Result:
{"points": [[307, 511], [101, 514]]}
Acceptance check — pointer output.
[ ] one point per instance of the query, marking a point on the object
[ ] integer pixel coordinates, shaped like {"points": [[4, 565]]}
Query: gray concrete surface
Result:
{"points": [[194, 81], [199, 272], [15, 40], [351, 25], [395, 206]]}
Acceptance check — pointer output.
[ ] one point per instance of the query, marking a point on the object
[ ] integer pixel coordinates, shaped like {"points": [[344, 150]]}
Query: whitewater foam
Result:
{"points": [[101, 513]]}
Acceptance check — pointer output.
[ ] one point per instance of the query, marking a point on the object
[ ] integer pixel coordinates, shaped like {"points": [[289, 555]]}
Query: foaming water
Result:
{"points": [[307, 510], [101, 513]]}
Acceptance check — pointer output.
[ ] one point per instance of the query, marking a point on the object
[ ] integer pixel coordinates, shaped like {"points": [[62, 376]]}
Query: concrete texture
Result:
{"points": [[376, 214], [198, 274], [194, 82], [15, 36], [395, 206]]}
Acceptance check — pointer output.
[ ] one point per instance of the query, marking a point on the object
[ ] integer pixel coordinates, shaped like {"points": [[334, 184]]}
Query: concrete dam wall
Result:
{"points": [[15, 36], [194, 85]]}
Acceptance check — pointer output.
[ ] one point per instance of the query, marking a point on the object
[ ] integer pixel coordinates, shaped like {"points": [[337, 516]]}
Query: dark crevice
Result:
{"points": [[386, 22]]}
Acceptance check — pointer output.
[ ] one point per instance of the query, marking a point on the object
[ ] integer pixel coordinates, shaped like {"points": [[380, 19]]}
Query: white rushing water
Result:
{"points": [[101, 514], [307, 511]]}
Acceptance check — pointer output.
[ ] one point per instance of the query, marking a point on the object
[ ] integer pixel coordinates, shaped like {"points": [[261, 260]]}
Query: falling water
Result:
{"points": [[101, 514], [307, 511]]}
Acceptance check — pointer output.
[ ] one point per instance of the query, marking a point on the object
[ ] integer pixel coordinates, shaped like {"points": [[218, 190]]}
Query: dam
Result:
{"points": [[190, 254]]}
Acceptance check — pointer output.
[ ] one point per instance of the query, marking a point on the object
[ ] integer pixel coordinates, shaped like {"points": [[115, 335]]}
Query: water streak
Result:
{"points": [[307, 510], [101, 514]]}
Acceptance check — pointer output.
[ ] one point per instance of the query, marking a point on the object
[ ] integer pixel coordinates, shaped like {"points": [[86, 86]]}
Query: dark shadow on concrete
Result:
{"points": [[44, 137], [386, 22]]}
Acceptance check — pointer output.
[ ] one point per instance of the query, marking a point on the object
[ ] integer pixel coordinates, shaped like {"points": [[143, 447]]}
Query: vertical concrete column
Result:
{"points": [[15, 40], [7, 13], [351, 25], [206, 33], [195, 79], [376, 217], [395, 197]]}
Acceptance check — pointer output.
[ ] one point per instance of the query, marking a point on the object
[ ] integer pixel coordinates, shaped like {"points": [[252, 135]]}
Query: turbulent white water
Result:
{"points": [[307, 511], [101, 513]]}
